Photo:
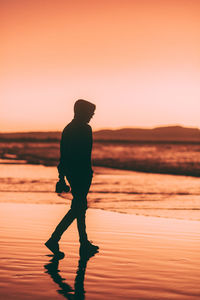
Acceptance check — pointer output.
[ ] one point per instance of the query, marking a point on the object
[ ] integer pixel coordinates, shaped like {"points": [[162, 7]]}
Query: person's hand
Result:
{"points": [[61, 186]]}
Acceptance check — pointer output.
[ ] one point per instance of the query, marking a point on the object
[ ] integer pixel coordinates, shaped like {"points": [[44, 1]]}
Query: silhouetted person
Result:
{"points": [[65, 289], [75, 165], [52, 270]]}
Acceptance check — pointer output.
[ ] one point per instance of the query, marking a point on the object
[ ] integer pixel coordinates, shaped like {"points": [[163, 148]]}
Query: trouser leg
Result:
{"points": [[64, 224], [82, 227], [79, 204], [67, 221], [79, 189]]}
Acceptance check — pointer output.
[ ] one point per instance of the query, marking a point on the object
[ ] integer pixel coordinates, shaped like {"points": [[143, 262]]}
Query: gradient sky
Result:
{"points": [[138, 60]]}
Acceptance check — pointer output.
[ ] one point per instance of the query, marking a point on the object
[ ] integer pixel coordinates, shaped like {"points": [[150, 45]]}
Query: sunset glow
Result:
{"points": [[138, 61]]}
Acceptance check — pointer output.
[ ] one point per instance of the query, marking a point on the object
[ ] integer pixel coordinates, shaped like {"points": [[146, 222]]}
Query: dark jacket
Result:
{"points": [[75, 150]]}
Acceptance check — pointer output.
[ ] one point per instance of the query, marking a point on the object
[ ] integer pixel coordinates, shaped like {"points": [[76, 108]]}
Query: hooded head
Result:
{"points": [[84, 110]]}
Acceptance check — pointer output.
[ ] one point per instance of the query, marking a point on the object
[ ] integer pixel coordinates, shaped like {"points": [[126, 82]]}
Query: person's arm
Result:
{"points": [[60, 167], [61, 185], [85, 149]]}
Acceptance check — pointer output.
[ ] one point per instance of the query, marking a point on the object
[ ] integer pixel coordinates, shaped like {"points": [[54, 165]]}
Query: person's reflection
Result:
{"points": [[78, 293]]}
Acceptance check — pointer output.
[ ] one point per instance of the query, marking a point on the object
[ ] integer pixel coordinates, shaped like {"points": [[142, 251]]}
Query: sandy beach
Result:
{"points": [[103, 96], [139, 258]]}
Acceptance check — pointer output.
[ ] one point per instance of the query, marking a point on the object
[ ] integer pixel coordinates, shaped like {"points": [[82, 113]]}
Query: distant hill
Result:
{"points": [[48, 136], [167, 133]]}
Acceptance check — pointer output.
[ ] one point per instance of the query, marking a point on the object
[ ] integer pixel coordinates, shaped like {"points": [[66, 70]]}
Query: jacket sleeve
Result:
{"points": [[61, 167], [83, 150]]}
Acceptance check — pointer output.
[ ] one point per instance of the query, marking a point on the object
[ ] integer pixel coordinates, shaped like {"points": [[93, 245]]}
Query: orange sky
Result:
{"points": [[138, 60]]}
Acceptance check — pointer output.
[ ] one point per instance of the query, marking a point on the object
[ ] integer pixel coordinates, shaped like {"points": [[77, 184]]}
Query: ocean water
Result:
{"points": [[152, 157], [148, 194]]}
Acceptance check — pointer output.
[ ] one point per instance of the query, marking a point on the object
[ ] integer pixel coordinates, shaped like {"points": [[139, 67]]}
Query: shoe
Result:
{"points": [[53, 246], [88, 247]]}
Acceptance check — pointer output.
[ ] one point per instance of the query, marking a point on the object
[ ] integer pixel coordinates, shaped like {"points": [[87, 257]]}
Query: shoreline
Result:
{"points": [[65, 207], [104, 210], [126, 192], [107, 165], [139, 257]]}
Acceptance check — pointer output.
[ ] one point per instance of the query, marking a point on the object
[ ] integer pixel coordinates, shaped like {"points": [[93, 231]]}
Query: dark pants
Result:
{"points": [[79, 188]]}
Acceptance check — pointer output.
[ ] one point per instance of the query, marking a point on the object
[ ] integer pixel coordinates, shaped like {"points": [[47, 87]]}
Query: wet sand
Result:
{"points": [[139, 258]]}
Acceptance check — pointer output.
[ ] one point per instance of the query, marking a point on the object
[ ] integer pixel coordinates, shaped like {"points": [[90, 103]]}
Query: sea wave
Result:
{"points": [[161, 158], [114, 190]]}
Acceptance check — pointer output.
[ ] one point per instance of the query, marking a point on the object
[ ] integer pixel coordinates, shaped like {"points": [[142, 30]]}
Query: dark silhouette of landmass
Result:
{"points": [[169, 133], [37, 136], [165, 133]]}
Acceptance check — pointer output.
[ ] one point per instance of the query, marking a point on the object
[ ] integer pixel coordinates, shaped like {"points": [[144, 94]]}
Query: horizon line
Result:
{"points": [[106, 128]]}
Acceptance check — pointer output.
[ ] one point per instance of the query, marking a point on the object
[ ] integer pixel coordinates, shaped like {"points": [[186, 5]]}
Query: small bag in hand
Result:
{"points": [[61, 186]]}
